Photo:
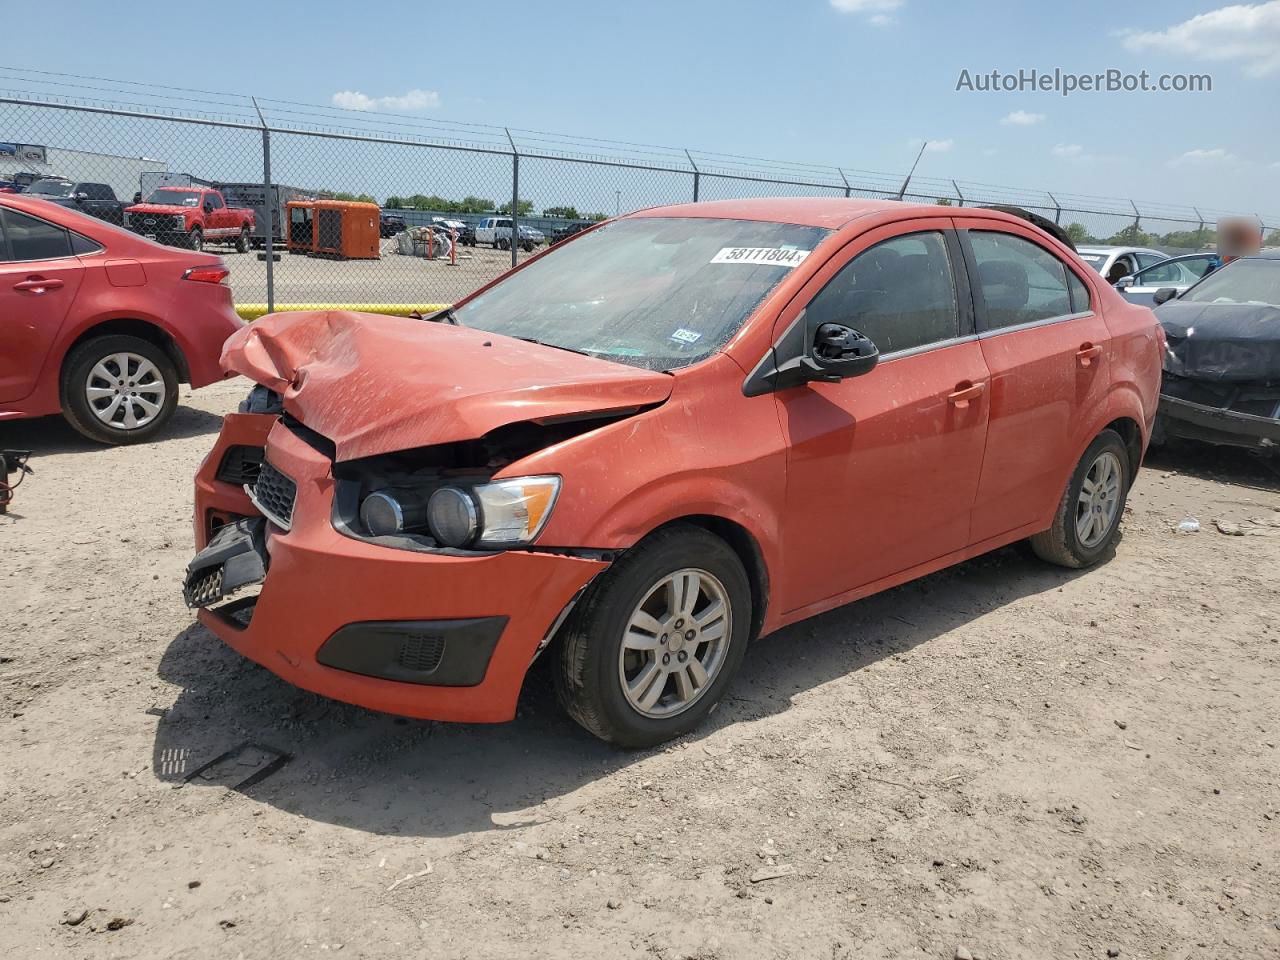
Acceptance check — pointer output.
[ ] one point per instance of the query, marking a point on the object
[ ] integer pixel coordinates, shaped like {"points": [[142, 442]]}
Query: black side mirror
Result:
{"points": [[208, 207], [1164, 294], [838, 352], [833, 352]]}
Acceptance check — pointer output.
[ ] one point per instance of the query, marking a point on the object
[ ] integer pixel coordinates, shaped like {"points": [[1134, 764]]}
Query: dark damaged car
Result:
{"points": [[1222, 364]]}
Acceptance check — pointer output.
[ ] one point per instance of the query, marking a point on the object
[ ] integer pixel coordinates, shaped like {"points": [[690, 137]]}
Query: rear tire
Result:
{"points": [[598, 659], [1088, 516], [93, 379]]}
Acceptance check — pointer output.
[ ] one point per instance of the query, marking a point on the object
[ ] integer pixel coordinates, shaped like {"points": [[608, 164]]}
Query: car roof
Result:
{"points": [[830, 212]]}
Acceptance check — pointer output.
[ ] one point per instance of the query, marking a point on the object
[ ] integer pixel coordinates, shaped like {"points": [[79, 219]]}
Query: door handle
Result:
{"points": [[37, 285], [964, 392], [1087, 353]]}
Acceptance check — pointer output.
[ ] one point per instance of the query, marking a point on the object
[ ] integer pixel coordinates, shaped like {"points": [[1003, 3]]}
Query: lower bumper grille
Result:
{"points": [[273, 494]]}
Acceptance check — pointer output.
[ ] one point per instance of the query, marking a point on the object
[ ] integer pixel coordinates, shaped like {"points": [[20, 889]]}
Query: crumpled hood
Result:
{"points": [[1221, 341], [375, 384]]}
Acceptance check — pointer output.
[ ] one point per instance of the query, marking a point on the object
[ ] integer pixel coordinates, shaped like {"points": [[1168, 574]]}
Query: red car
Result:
{"points": [[102, 325], [661, 438]]}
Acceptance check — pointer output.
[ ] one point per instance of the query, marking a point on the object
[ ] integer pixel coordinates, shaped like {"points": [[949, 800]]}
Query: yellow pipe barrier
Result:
{"points": [[252, 311]]}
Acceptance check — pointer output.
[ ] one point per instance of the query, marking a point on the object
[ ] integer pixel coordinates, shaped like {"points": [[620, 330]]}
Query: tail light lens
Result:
{"points": [[212, 273]]}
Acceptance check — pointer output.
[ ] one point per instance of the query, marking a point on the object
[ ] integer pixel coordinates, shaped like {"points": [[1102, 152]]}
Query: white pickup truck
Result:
{"points": [[495, 231]]}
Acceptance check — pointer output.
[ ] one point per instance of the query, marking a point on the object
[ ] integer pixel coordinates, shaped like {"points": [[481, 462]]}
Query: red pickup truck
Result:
{"points": [[190, 217]]}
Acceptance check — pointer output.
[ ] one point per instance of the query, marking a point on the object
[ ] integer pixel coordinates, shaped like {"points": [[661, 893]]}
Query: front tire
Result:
{"points": [[195, 239], [1088, 516], [652, 647], [242, 241], [119, 389]]}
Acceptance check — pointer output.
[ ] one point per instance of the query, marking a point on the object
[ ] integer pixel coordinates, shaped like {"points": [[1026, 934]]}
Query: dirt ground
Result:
{"points": [[1005, 758]]}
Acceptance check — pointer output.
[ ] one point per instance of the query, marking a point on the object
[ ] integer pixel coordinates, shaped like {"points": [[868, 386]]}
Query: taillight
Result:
{"points": [[213, 273]]}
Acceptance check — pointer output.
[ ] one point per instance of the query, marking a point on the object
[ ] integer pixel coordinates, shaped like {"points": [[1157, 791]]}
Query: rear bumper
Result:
{"points": [[342, 617], [1195, 421]]}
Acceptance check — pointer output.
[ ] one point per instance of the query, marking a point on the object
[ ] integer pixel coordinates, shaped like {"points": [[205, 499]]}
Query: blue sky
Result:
{"points": [[852, 82]]}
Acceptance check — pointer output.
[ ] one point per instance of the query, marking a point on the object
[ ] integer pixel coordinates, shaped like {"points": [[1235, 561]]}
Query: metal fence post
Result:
{"points": [[960, 196], [697, 175], [1137, 221], [1200, 228], [515, 196], [271, 209], [1057, 208], [847, 191]]}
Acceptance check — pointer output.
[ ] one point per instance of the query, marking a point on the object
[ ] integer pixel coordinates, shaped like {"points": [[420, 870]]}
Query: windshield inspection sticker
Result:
{"points": [[771, 256], [686, 336]]}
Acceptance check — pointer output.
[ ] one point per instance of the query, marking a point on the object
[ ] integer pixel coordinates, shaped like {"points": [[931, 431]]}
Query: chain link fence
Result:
{"points": [[422, 220]]}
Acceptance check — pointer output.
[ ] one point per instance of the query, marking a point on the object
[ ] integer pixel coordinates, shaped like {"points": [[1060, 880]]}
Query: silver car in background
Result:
{"points": [[1112, 263], [1176, 272]]}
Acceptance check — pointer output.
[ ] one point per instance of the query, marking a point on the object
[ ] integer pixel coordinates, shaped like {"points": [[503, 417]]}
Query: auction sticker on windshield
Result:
{"points": [[772, 256]]}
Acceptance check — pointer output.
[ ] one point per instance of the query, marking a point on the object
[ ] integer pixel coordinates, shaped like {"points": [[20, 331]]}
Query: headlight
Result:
{"points": [[504, 513], [452, 516], [387, 512]]}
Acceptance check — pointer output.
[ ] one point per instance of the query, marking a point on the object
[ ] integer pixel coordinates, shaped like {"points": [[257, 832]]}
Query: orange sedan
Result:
{"points": [[660, 439]]}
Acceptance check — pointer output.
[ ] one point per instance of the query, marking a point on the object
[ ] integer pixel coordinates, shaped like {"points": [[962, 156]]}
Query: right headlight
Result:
{"points": [[504, 513]]}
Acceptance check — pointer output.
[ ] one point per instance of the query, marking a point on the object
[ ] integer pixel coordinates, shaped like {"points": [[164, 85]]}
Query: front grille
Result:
{"points": [[422, 652], [155, 222], [273, 494], [241, 465]]}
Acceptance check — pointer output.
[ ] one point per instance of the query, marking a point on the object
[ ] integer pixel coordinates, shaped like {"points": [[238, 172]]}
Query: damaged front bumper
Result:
{"points": [[1239, 415], [420, 634]]}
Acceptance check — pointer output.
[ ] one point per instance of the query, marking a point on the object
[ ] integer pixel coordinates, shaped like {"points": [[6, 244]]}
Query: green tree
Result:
{"points": [[595, 217], [1078, 234], [470, 204], [525, 208], [943, 201], [1131, 236], [566, 213], [1188, 239], [394, 203], [343, 195], [1273, 239]]}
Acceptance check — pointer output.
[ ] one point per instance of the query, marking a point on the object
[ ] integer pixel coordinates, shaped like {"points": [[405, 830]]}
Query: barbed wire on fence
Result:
{"points": [[470, 199]]}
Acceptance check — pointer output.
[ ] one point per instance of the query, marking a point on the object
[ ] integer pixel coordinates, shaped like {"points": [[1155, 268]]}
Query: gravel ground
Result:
{"points": [[1003, 760]]}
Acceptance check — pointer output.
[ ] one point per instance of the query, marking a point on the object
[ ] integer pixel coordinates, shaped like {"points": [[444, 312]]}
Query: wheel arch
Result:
{"points": [[132, 326], [1131, 433], [741, 541]]}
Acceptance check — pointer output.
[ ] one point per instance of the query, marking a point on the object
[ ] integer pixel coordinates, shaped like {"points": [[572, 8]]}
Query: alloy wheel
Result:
{"points": [[675, 643], [125, 391], [1099, 500]]}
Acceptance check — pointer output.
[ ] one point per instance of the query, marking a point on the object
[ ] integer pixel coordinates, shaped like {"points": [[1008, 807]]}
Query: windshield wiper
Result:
{"points": [[440, 316], [544, 343]]}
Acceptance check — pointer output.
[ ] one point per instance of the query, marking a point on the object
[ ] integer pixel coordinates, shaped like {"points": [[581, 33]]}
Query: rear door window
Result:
{"points": [[900, 293], [1016, 280], [30, 238]]}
